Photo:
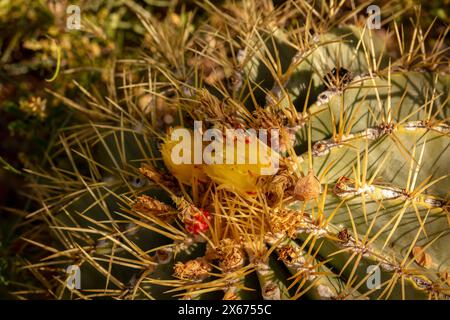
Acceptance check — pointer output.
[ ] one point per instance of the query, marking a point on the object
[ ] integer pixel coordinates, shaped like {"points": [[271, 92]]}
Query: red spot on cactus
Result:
{"points": [[199, 223]]}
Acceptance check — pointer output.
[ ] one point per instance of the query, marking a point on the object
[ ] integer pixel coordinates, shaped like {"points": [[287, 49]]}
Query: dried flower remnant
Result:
{"points": [[230, 254], [195, 220], [152, 207], [286, 222], [192, 270], [289, 254]]}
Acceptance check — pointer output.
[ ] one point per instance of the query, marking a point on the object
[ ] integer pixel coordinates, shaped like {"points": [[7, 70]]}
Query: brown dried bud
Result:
{"points": [[307, 188]]}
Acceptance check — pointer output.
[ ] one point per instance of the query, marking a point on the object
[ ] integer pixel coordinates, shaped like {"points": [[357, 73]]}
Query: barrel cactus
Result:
{"points": [[347, 198]]}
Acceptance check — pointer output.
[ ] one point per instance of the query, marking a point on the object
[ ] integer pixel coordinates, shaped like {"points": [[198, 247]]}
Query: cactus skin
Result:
{"points": [[376, 143]]}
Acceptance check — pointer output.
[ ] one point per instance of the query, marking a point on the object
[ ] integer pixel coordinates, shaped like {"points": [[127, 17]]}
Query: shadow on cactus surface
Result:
{"points": [[358, 208]]}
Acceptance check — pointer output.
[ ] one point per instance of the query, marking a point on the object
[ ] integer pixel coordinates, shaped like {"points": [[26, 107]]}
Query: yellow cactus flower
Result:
{"points": [[172, 150], [240, 162]]}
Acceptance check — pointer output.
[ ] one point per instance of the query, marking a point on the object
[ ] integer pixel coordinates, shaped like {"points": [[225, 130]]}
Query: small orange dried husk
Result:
{"points": [[421, 257], [307, 187]]}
